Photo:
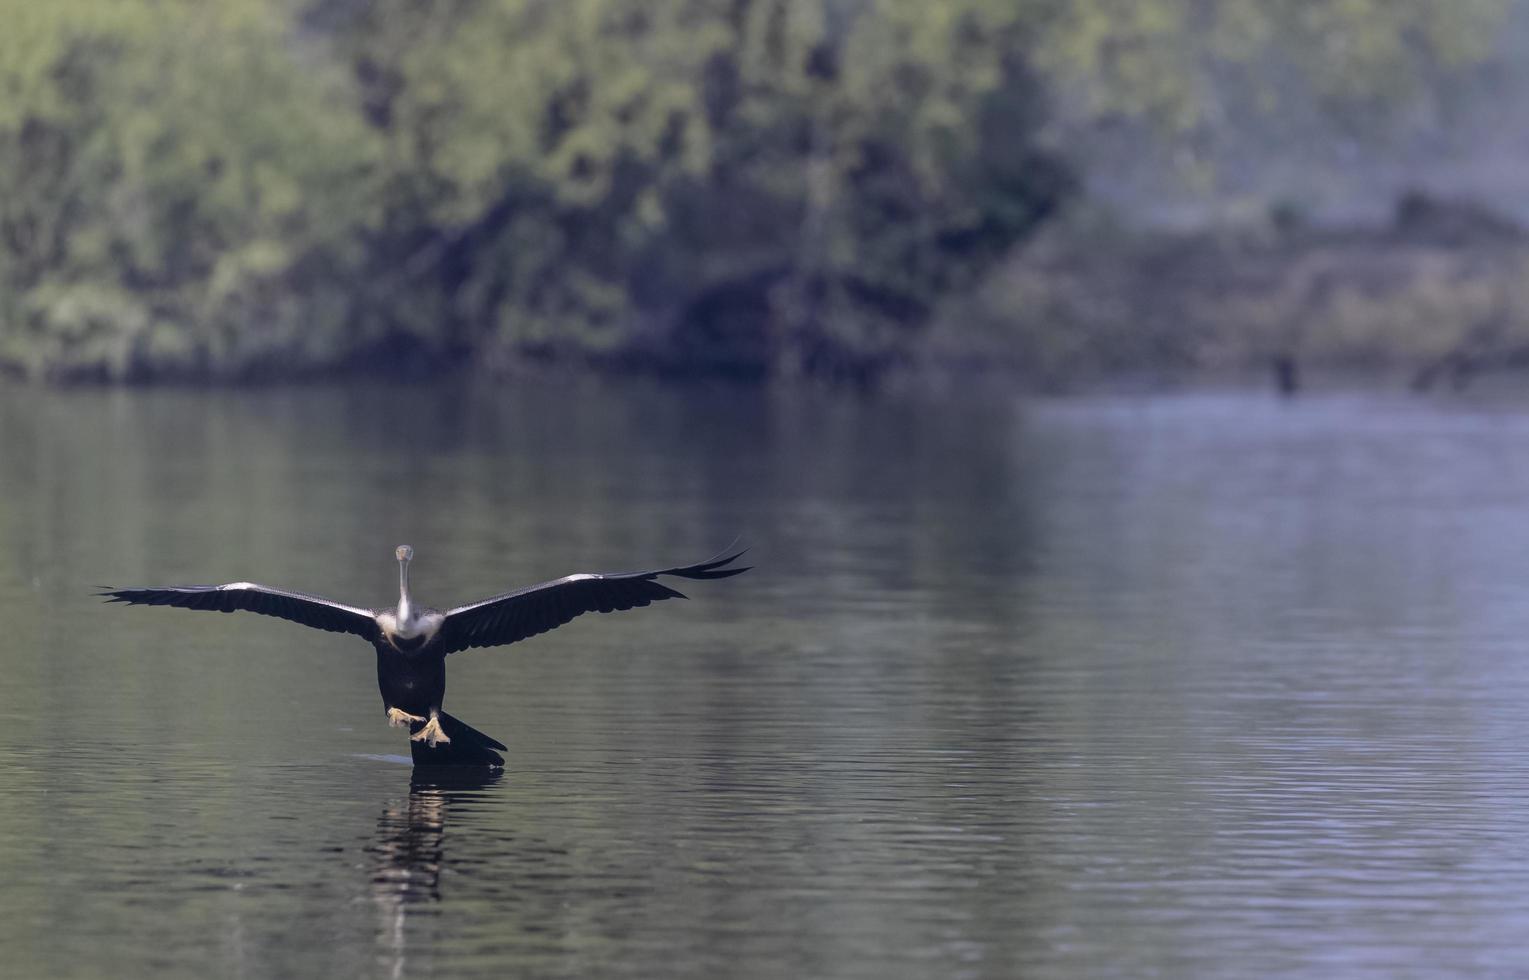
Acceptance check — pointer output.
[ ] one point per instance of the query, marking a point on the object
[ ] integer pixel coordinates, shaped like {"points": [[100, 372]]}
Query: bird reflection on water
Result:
{"points": [[410, 849]]}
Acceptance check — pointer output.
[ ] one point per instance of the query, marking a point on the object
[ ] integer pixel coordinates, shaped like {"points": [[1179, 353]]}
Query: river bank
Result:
{"points": [[1439, 295], [1436, 297]]}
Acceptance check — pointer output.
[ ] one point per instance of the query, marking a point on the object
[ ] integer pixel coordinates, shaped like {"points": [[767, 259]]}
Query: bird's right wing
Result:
{"points": [[516, 615], [299, 607]]}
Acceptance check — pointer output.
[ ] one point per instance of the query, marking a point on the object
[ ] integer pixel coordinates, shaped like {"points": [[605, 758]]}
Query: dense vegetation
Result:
{"points": [[756, 187]]}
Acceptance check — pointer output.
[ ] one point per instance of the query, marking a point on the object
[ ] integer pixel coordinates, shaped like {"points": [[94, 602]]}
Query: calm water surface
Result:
{"points": [[1198, 685]]}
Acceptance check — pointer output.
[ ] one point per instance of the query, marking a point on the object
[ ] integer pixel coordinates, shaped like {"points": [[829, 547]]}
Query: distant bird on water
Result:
{"points": [[412, 641]]}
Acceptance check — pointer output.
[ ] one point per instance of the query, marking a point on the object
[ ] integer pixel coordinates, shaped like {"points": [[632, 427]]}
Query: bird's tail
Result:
{"points": [[468, 746]]}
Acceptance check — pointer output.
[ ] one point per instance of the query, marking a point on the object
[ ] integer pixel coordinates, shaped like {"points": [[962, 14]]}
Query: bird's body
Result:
{"points": [[412, 642]]}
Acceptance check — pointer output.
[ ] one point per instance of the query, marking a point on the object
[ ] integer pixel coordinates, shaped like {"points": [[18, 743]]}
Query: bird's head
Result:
{"points": [[404, 553]]}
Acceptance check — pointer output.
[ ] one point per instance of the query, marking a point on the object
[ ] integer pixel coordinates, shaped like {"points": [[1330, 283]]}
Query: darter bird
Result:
{"points": [[413, 641]]}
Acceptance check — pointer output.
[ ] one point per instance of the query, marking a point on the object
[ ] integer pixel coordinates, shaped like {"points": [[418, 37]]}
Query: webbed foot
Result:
{"points": [[431, 734], [398, 718]]}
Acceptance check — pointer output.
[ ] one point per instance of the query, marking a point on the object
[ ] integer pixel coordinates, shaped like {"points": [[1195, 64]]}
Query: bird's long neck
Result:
{"points": [[404, 607]]}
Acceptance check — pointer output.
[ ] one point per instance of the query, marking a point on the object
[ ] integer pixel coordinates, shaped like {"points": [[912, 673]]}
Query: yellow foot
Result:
{"points": [[431, 734], [401, 719]]}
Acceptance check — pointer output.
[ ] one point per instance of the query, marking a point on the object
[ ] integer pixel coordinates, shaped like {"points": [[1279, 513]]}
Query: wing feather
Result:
{"points": [[517, 615], [297, 607]]}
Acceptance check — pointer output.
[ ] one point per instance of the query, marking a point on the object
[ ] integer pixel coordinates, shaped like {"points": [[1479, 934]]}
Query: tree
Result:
{"points": [[747, 186], [761, 186], [178, 187]]}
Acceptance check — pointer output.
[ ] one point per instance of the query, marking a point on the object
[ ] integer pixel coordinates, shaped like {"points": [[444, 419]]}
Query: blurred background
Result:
{"points": [[838, 190], [1072, 649]]}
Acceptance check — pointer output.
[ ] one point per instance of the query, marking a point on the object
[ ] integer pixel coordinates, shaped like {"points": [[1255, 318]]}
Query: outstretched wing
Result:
{"points": [[517, 615], [299, 607]]}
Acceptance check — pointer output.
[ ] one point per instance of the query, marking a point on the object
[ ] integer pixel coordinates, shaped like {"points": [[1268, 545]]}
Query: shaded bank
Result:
{"points": [[1438, 295], [1436, 298], [273, 190], [269, 189]]}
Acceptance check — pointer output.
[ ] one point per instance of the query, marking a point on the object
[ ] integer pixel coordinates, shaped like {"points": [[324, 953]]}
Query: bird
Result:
{"points": [[413, 641]]}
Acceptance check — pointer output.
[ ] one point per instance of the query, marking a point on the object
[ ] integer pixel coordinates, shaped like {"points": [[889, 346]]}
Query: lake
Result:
{"points": [[1180, 685]]}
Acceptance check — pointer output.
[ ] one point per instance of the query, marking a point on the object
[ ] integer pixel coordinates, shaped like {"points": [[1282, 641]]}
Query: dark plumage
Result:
{"points": [[299, 607], [412, 643]]}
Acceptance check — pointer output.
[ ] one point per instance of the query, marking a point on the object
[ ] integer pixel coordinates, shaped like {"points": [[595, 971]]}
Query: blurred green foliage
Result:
{"points": [[1190, 63], [756, 187], [181, 188]]}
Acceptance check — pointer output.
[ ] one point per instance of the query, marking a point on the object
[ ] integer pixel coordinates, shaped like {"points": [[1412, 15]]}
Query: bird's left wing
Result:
{"points": [[298, 607], [516, 615]]}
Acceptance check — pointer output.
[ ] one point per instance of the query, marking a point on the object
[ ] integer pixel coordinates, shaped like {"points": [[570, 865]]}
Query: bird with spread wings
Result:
{"points": [[412, 642]]}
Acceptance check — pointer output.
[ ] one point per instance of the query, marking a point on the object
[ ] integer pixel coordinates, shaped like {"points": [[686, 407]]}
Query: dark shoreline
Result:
{"points": [[1438, 299]]}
